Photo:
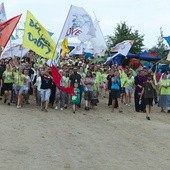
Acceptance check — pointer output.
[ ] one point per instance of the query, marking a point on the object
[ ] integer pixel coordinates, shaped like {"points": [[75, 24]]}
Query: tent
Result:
{"points": [[119, 59], [145, 56]]}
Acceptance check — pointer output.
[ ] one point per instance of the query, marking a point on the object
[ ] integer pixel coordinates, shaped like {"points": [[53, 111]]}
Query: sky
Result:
{"points": [[146, 16]]}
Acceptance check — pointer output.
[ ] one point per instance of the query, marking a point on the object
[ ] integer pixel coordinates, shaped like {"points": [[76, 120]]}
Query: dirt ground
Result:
{"points": [[88, 140]]}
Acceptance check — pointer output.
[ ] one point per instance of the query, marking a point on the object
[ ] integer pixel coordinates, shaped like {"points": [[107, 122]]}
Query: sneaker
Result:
{"points": [[148, 118], [120, 111], [56, 108], [45, 110], [61, 108], [5, 100], [18, 106], [9, 104], [74, 112]]}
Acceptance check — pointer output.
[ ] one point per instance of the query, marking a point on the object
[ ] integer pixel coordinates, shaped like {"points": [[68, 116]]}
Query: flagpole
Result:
{"points": [[60, 34], [99, 27]]}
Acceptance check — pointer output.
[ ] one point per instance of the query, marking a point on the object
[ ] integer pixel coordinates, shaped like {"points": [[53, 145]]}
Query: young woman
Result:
{"points": [[115, 91], [8, 83], [164, 98], [19, 81], [46, 84], [148, 94], [128, 84], [88, 82]]}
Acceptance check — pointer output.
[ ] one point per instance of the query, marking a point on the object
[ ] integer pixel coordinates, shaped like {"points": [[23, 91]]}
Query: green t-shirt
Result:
{"points": [[129, 82], [8, 76], [19, 79], [165, 91], [123, 77]]}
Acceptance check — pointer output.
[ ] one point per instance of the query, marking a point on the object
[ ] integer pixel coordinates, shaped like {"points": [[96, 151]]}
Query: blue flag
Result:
{"points": [[167, 39]]}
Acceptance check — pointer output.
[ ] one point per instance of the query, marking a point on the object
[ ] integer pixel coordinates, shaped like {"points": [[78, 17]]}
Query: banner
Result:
{"points": [[123, 47], [3, 17], [17, 51], [7, 28], [37, 38], [78, 24]]}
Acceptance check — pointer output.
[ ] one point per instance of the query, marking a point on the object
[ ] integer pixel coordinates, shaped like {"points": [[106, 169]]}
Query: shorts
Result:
{"points": [[148, 101], [88, 95], [115, 94], [45, 94], [128, 89], [19, 90], [7, 86]]}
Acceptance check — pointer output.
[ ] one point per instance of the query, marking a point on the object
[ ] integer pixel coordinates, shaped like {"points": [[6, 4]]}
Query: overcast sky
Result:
{"points": [[147, 16]]}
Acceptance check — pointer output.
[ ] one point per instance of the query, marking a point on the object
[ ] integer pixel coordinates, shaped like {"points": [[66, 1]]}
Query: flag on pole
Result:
{"points": [[3, 17], [16, 50], [7, 28], [64, 47], [98, 42], [37, 38], [78, 50], [123, 47], [78, 24], [168, 57], [57, 79], [167, 39]]}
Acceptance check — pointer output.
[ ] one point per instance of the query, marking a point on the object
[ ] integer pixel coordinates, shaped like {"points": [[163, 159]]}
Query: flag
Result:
{"points": [[168, 57], [123, 47], [3, 17], [7, 28], [167, 40], [98, 42], [64, 47], [57, 79], [37, 38], [78, 50], [16, 50], [110, 58], [78, 24]]}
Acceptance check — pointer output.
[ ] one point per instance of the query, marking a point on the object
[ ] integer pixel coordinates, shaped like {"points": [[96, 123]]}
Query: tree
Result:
{"points": [[160, 48], [123, 32]]}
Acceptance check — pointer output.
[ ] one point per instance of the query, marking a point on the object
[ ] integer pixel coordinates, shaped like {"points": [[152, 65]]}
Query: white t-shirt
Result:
{"points": [[38, 83]]}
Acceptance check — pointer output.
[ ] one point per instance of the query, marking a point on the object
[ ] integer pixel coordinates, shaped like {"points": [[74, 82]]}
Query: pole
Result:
{"points": [[60, 34]]}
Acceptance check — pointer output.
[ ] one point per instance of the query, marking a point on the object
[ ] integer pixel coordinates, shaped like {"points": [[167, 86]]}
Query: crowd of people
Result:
{"points": [[20, 78]]}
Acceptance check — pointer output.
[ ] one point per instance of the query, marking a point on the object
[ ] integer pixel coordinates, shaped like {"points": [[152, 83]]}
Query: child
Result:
{"points": [[148, 92], [75, 99]]}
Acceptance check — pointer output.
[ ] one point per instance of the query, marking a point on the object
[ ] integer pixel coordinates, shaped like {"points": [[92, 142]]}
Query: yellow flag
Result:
{"points": [[64, 46], [37, 38]]}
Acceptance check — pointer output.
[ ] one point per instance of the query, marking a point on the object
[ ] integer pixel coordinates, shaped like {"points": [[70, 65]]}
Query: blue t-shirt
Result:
{"points": [[116, 84]]}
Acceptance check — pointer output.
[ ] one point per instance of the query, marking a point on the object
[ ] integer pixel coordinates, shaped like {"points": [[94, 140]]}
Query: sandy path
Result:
{"points": [[100, 140]]}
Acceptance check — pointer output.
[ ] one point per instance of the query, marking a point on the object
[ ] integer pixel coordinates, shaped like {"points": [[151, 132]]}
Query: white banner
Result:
{"points": [[78, 24], [123, 47]]}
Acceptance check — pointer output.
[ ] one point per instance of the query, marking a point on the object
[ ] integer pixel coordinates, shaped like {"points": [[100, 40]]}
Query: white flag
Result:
{"points": [[78, 50], [78, 24], [98, 42], [168, 57], [123, 47], [17, 51], [2, 13]]}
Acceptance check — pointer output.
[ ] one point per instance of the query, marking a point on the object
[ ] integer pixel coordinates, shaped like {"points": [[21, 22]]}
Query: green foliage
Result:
{"points": [[123, 32], [160, 47]]}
